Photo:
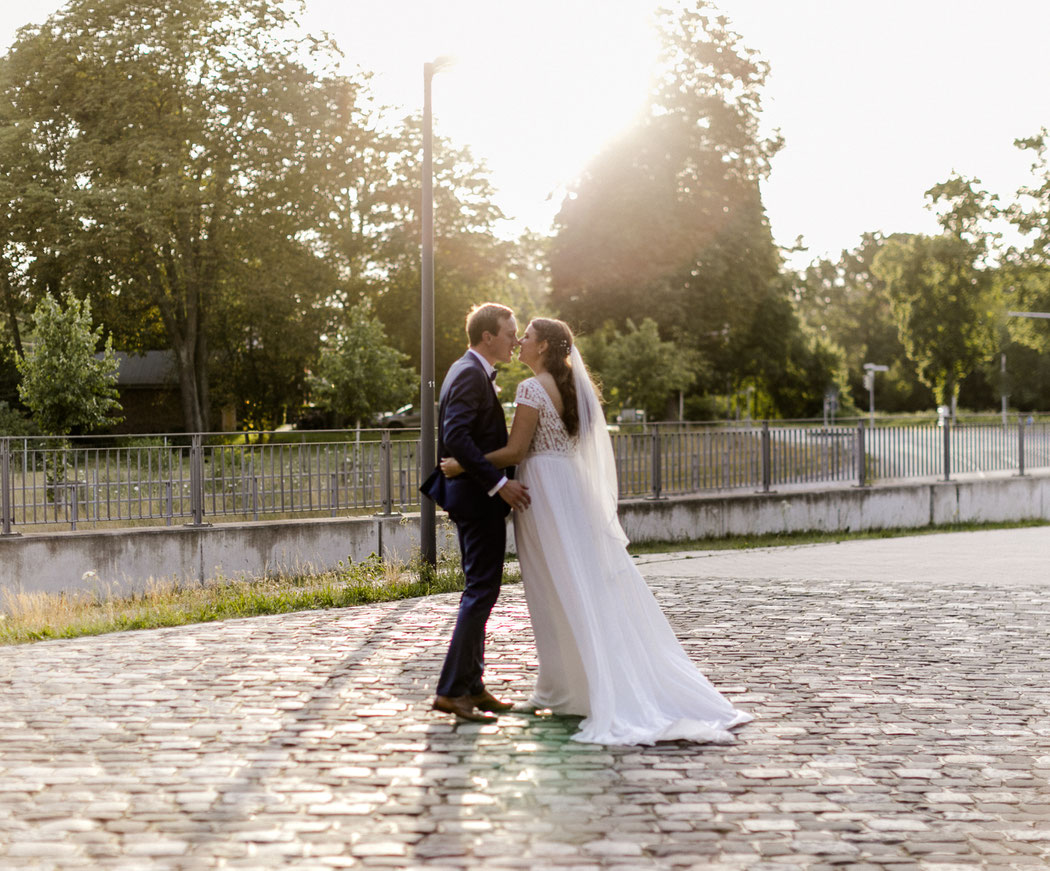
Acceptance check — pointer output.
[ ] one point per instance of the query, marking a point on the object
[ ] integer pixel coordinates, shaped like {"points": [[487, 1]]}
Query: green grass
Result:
{"points": [[743, 542], [28, 617]]}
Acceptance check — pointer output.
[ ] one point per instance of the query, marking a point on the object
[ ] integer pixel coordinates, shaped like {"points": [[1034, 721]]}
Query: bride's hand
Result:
{"points": [[450, 467]]}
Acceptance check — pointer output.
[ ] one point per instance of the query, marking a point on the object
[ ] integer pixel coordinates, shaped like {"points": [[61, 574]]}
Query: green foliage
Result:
{"points": [[268, 339], [792, 369], [359, 374], [202, 174], [8, 373], [14, 423], [846, 305], [1024, 277], [379, 250], [63, 384], [640, 370], [173, 163], [667, 223], [944, 304], [966, 210], [1031, 212]]}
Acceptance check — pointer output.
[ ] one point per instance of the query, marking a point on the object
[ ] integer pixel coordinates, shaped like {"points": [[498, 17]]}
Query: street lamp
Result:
{"points": [[869, 381], [427, 443]]}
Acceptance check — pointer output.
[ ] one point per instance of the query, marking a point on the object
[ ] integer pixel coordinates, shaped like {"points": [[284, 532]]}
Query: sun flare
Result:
{"points": [[535, 90]]}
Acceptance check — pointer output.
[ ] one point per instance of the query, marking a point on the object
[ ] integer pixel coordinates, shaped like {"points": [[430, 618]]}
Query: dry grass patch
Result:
{"points": [[27, 617]]}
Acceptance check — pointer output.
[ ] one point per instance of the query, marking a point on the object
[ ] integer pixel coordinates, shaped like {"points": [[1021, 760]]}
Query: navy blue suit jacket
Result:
{"points": [[470, 424]]}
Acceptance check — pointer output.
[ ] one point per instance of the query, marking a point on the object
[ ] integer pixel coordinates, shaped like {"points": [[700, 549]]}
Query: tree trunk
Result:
{"points": [[191, 414], [11, 310], [183, 329], [203, 392]]}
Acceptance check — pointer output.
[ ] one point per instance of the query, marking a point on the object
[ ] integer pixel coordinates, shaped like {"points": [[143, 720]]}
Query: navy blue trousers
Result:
{"points": [[482, 545]]}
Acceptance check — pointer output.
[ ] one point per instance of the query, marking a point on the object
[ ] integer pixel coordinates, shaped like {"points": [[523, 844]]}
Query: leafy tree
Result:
{"points": [[64, 384], [944, 305], [8, 373], [179, 142], [668, 222], [846, 305], [14, 423], [266, 341], [791, 369], [1025, 274], [376, 240], [1031, 212], [966, 211], [359, 374], [637, 368]]}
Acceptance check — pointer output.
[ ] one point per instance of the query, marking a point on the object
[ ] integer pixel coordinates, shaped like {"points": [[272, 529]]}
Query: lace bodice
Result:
{"points": [[550, 436]]}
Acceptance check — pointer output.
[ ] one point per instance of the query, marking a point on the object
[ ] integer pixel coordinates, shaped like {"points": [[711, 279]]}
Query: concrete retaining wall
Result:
{"points": [[840, 510], [122, 561]]}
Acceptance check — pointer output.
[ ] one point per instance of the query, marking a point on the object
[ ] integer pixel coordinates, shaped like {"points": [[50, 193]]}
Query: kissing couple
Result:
{"points": [[606, 652]]}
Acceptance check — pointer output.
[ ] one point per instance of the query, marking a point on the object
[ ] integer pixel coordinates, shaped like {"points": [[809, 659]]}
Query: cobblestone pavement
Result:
{"points": [[899, 724]]}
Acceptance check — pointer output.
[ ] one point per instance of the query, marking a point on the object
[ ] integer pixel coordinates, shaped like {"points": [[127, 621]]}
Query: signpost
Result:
{"points": [[869, 381]]}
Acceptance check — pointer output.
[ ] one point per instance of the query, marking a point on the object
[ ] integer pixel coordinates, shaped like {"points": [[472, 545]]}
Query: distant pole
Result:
{"points": [[427, 443], [1002, 384], [869, 376]]}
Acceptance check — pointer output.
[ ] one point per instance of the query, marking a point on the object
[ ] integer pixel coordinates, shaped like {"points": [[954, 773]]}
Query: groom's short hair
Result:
{"points": [[485, 317]]}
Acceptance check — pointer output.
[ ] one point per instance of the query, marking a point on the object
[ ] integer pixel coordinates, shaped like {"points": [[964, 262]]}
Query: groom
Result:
{"points": [[470, 424]]}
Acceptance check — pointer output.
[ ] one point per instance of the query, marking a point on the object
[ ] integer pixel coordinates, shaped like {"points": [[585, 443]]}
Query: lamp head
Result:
{"points": [[446, 61]]}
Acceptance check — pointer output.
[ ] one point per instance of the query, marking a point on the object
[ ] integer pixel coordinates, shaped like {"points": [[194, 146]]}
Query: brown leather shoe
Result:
{"points": [[461, 706], [485, 701]]}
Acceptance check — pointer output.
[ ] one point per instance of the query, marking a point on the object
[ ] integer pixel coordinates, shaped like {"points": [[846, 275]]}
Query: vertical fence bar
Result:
{"points": [[947, 450], [767, 457], [862, 460], [1020, 445], [386, 474], [657, 468], [5, 482], [196, 480]]}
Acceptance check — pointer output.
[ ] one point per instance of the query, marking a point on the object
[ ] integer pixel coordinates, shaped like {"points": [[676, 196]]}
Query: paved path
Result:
{"points": [[902, 721]]}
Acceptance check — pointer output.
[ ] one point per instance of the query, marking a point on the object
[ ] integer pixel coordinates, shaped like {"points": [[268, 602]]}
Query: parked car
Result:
{"points": [[406, 416]]}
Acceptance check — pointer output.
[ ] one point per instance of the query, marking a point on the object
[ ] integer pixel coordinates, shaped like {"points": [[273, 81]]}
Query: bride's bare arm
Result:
{"points": [[525, 419]]}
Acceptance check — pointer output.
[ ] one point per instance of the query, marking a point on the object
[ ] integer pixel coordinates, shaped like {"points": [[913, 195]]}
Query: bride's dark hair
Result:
{"points": [[559, 341]]}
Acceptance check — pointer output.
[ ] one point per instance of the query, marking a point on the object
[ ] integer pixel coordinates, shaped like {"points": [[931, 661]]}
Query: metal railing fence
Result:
{"points": [[195, 479], [161, 480]]}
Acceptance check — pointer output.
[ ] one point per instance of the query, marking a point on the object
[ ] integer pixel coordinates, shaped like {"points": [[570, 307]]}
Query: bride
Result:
{"points": [[606, 651]]}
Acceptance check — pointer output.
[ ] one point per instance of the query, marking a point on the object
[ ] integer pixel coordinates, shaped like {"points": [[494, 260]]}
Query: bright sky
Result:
{"points": [[877, 102]]}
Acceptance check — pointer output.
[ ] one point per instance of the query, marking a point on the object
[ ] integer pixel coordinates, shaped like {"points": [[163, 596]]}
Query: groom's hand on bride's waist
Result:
{"points": [[515, 494]]}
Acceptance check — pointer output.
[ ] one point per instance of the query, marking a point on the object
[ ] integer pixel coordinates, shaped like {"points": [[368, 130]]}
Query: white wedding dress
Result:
{"points": [[606, 651]]}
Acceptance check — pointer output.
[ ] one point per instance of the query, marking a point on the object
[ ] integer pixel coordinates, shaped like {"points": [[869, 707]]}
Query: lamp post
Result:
{"points": [[427, 442], [869, 381]]}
